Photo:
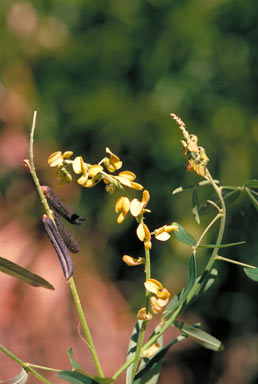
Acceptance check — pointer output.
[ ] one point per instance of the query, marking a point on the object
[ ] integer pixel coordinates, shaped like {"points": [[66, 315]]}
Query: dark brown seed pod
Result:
{"points": [[69, 240], [59, 246], [60, 207]]}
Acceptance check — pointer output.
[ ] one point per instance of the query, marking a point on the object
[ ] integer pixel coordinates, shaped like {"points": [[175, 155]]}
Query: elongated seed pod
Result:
{"points": [[60, 207], [69, 240], [59, 246]]}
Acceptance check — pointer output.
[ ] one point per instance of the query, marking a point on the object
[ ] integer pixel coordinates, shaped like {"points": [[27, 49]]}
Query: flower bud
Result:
{"points": [[142, 315], [132, 262]]}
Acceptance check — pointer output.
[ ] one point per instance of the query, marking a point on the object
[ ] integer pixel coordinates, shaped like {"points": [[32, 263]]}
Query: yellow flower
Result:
{"points": [[138, 207], [127, 178], [153, 286], [162, 233], [113, 163], [78, 165], [90, 173], [56, 159], [133, 262], [144, 235], [160, 296], [158, 304], [155, 308], [123, 206], [143, 315]]}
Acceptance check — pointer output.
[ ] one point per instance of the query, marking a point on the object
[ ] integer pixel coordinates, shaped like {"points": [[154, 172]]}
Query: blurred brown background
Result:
{"points": [[109, 73]]}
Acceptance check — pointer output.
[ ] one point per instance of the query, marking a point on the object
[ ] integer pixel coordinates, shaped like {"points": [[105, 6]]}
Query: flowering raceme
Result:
{"points": [[92, 174]]}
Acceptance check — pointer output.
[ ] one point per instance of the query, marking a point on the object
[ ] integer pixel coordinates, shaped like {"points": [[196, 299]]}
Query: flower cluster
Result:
{"points": [[158, 300], [92, 174], [196, 155]]}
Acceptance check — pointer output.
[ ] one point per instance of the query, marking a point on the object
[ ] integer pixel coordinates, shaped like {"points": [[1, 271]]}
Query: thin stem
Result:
{"points": [[26, 366], [33, 170], [169, 322], [138, 351], [235, 262], [151, 341], [71, 281], [85, 326], [206, 230], [251, 196], [222, 223], [43, 368]]}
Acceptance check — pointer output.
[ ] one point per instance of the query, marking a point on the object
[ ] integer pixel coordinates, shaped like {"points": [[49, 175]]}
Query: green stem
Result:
{"points": [[222, 224], [251, 196], [71, 281], [33, 170], [43, 368], [151, 341], [85, 326], [235, 262], [209, 265], [26, 366], [205, 231], [138, 351], [213, 257]]}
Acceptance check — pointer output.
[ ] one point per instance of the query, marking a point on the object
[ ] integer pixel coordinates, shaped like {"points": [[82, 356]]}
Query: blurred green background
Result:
{"points": [[109, 73]]}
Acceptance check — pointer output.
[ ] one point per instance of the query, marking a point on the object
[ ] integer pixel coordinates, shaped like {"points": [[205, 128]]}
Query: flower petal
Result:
{"points": [[153, 286], [136, 207], [136, 186], [124, 181], [132, 262], [140, 232], [145, 197], [162, 236], [94, 170], [143, 315], [67, 154], [127, 175], [119, 204], [83, 180], [78, 165], [121, 217], [126, 204], [55, 159]]}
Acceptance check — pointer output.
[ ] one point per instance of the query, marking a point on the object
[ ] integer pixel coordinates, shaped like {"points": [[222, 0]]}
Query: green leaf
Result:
{"points": [[149, 374], [72, 361], [205, 281], [132, 349], [195, 205], [182, 235], [201, 337], [79, 378], [251, 183], [221, 245], [21, 378], [144, 361], [23, 274], [252, 273], [229, 197], [75, 377], [181, 296]]}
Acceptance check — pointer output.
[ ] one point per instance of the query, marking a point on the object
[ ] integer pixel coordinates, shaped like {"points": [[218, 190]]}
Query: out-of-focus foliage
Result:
{"points": [[109, 73]]}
